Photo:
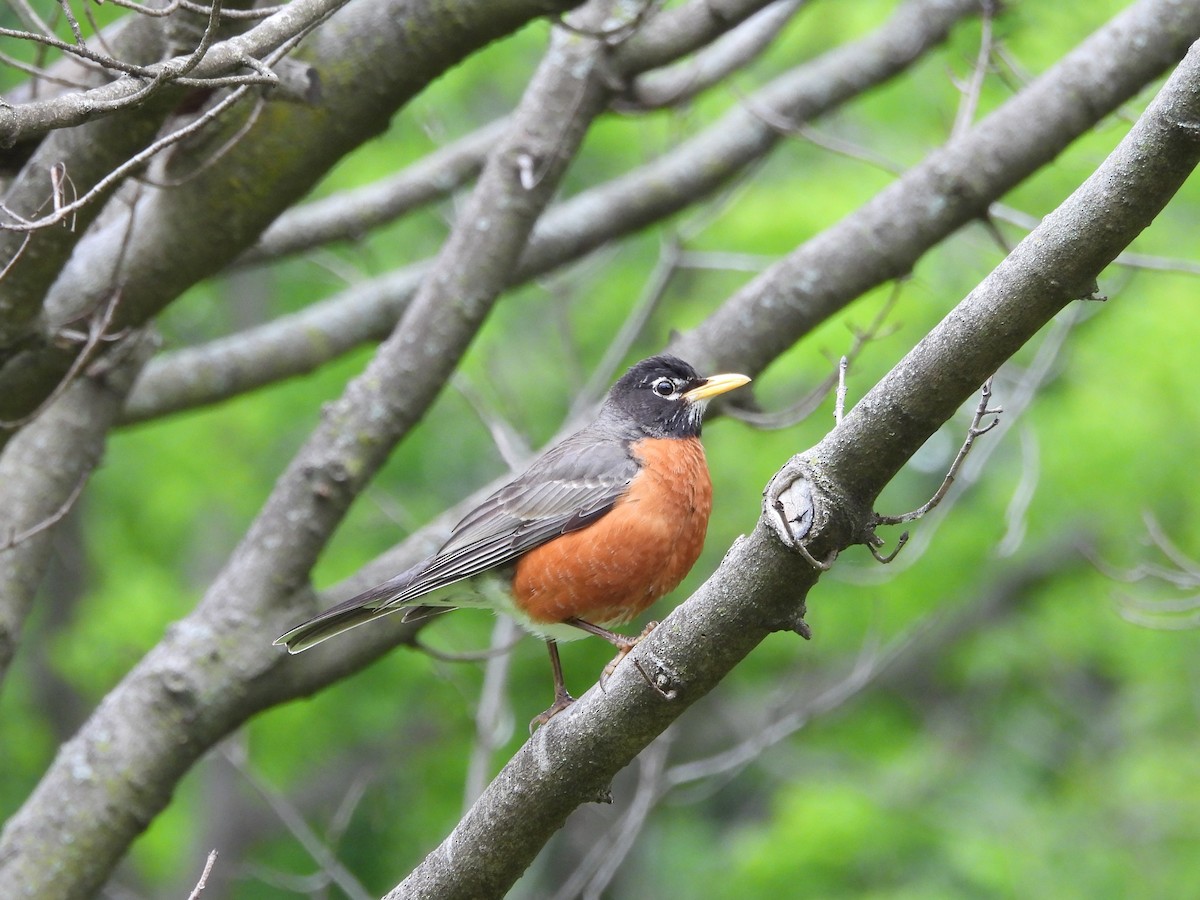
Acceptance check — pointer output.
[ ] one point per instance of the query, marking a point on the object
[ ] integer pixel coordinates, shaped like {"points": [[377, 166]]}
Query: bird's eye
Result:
{"points": [[664, 387]]}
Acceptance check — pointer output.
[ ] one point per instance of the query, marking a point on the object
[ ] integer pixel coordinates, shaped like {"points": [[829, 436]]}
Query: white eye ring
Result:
{"points": [[664, 387]]}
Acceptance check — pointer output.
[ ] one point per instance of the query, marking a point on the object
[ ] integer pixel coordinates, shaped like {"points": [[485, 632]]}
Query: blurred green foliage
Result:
{"points": [[1048, 749]]}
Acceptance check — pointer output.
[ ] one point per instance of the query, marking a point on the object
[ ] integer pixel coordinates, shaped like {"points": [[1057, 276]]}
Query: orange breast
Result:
{"points": [[612, 570]]}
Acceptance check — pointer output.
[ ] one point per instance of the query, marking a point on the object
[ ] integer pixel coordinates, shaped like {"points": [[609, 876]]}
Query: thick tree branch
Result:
{"points": [[403, 44], [42, 470], [761, 585], [954, 185], [699, 167], [192, 681], [351, 213]]}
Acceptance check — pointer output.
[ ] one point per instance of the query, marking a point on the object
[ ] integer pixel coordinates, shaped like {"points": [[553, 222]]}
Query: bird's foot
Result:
{"points": [[622, 652], [562, 700]]}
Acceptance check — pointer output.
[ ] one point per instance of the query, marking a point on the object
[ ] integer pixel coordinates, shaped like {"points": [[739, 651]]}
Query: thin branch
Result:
{"points": [[509, 443], [97, 334], [202, 881], [732, 51], [467, 656], [349, 214], [131, 165], [974, 430], [157, 75], [72, 22], [602, 861], [1016, 512], [20, 537], [839, 406], [322, 854], [494, 719], [209, 60], [1020, 391], [1182, 573], [974, 87], [652, 295], [809, 403], [1169, 548], [797, 714]]}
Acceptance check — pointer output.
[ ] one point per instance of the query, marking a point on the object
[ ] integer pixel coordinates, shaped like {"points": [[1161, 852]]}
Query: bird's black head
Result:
{"points": [[665, 397]]}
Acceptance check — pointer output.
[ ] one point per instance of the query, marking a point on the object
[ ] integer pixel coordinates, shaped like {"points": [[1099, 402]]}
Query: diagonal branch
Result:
{"points": [[37, 117], [572, 760], [948, 189], [403, 44], [46, 848], [42, 469], [351, 213], [697, 168]]}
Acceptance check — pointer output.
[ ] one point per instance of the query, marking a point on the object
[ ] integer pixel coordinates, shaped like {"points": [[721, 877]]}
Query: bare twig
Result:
{"points": [[494, 720], [97, 334], [293, 820], [17, 538], [209, 64], [1022, 496], [839, 406], [217, 154], [631, 328], [596, 870], [512, 447], [974, 86], [203, 880], [467, 656], [974, 430], [157, 75], [808, 404], [1187, 566], [795, 715], [1182, 573], [135, 162]]}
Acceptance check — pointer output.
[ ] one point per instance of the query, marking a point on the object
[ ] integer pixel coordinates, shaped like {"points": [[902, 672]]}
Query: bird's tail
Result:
{"points": [[365, 607], [327, 624]]}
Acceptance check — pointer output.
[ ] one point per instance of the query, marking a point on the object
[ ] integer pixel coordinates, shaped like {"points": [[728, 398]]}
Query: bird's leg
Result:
{"points": [[622, 642], [561, 698]]}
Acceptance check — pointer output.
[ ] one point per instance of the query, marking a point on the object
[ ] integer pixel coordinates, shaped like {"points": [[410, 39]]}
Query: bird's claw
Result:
{"points": [[622, 652], [562, 700]]}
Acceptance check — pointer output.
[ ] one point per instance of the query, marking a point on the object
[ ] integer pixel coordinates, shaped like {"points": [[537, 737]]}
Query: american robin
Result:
{"points": [[599, 527]]}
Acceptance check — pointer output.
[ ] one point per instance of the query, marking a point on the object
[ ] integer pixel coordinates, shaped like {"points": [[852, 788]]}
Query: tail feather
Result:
{"points": [[394, 595], [365, 607], [327, 624]]}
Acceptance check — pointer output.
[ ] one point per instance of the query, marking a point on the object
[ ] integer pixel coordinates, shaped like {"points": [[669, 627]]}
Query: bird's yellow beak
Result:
{"points": [[714, 385]]}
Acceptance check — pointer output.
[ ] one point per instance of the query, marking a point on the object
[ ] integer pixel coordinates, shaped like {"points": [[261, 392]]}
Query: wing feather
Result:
{"points": [[573, 485]]}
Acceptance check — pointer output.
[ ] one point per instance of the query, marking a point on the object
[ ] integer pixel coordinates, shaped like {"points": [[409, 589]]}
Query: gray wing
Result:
{"points": [[574, 483]]}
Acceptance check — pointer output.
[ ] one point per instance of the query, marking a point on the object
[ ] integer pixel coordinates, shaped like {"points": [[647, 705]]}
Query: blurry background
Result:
{"points": [[994, 714]]}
